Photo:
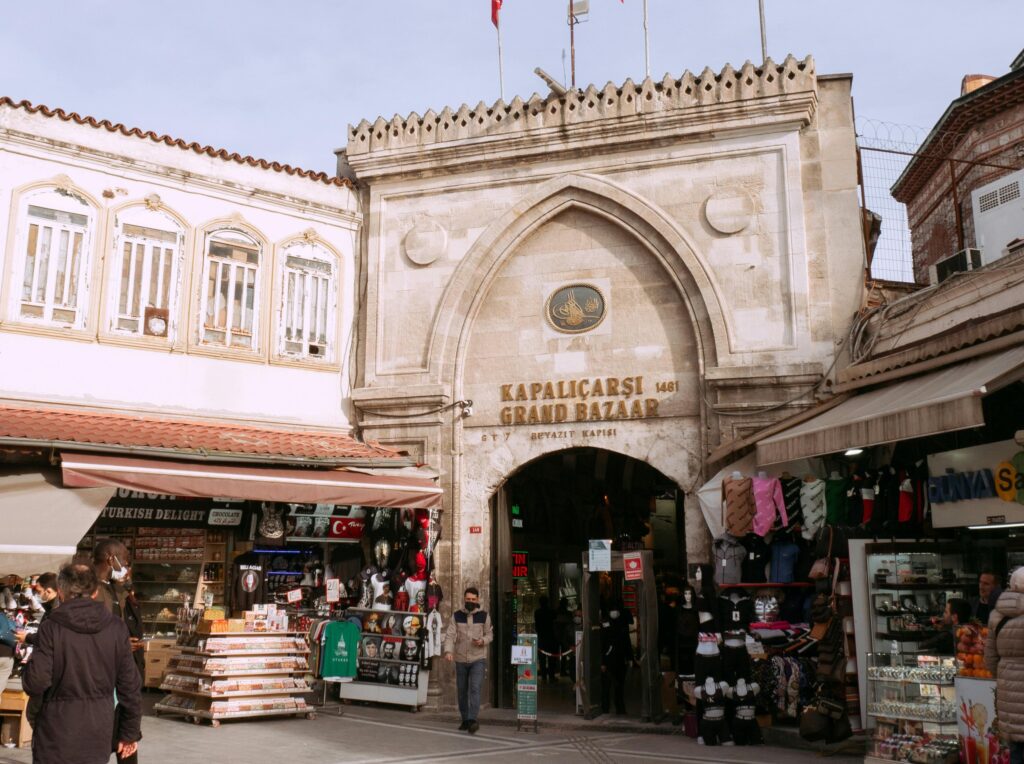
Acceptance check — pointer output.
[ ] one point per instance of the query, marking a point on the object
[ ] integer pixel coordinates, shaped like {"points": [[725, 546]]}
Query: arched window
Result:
{"points": [[230, 290], [55, 228], [148, 251], [309, 289]]}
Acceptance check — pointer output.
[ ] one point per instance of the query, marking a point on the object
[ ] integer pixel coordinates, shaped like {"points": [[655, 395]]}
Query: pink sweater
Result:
{"points": [[769, 499]]}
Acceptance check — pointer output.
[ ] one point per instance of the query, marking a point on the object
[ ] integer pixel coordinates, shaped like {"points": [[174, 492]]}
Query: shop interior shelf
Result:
{"points": [[201, 714], [794, 585], [229, 653], [907, 636], [891, 717], [281, 691], [926, 587], [233, 673], [946, 683]]}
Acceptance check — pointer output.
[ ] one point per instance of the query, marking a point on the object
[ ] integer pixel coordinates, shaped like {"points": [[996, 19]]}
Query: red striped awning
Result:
{"points": [[253, 483]]}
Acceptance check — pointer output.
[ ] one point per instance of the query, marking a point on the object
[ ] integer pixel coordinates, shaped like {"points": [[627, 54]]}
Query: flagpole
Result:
{"points": [[764, 37], [647, 45], [501, 71]]}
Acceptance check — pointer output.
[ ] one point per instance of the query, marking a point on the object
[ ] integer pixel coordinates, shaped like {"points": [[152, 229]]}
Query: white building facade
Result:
{"points": [[143, 274]]}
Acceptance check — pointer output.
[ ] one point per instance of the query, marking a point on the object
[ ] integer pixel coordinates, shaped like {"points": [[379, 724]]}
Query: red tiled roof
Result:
{"points": [[168, 140], [81, 429]]}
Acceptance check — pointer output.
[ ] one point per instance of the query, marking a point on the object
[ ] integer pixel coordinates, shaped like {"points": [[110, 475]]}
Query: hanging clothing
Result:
{"points": [[835, 501], [339, 646], [729, 557], [812, 507], [249, 581], [785, 554], [769, 504], [791, 496], [432, 646], [756, 561], [381, 586], [738, 497]]}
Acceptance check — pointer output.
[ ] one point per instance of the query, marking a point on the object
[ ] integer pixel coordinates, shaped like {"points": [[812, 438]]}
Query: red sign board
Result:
{"points": [[633, 565], [347, 527], [475, 529], [520, 565]]}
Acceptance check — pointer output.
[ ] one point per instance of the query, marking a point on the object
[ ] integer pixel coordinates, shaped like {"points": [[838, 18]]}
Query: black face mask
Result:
{"points": [[471, 606], [48, 605]]}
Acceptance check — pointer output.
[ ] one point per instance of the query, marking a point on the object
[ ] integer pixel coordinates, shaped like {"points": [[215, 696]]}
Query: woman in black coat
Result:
{"points": [[616, 655], [82, 656]]}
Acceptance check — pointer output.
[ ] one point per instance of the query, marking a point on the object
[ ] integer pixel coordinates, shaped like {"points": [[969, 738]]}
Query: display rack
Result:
{"points": [[386, 690], [238, 675], [912, 701]]}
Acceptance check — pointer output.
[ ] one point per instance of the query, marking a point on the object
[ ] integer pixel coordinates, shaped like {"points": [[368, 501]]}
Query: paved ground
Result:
{"points": [[373, 735]]}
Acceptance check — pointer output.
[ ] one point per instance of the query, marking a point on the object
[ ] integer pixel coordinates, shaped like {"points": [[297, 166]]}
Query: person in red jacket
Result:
{"points": [[81, 667]]}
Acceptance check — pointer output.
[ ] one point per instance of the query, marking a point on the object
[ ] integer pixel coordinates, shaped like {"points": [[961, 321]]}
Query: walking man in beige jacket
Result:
{"points": [[466, 639]]}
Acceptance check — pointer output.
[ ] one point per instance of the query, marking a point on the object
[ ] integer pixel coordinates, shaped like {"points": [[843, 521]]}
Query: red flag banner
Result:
{"points": [[495, 7]]}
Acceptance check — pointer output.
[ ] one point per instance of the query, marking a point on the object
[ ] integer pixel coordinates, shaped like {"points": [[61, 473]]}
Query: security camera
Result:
{"points": [[556, 87], [467, 409]]}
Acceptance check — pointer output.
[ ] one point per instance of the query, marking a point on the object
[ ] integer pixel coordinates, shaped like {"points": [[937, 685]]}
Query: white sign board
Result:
{"points": [[600, 555], [522, 655], [333, 590]]}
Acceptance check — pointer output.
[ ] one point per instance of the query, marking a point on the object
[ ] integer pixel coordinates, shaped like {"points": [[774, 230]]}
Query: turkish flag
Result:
{"points": [[495, 7]]}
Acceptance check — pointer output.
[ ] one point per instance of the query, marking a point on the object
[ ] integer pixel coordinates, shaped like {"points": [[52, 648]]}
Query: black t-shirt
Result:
{"points": [[754, 563], [249, 588]]}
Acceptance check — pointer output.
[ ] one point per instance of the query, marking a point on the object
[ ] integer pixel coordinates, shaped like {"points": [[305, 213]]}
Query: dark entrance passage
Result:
{"points": [[543, 517]]}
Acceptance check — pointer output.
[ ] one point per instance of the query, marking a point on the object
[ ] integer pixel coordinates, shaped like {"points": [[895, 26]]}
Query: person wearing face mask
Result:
{"points": [[466, 639], [110, 564]]}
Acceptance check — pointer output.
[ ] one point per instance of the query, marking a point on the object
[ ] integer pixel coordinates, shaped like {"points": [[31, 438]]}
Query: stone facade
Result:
{"points": [[717, 218]]}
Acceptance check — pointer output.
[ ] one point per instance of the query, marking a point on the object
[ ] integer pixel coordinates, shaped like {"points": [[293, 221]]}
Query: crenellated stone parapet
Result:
{"points": [[592, 105]]}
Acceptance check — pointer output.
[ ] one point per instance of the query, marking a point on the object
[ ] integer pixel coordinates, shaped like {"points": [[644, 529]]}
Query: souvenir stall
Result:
{"points": [[308, 606]]}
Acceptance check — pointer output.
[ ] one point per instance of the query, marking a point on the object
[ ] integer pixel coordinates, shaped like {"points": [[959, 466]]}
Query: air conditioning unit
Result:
{"points": [[964, 260]]}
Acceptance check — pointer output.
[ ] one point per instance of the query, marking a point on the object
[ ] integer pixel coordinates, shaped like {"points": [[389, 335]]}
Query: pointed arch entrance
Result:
{"points": [[542, 519]]}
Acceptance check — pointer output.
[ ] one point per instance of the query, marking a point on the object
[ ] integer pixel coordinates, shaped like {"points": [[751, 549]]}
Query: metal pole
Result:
{"points": [[572, 44], [647, 45], [764, 36], [501, 71]]}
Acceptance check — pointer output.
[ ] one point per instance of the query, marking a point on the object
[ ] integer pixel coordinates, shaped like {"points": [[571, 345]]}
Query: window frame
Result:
{"points": [[313, 251], [157, 218], [249, 239], [63, 200]]}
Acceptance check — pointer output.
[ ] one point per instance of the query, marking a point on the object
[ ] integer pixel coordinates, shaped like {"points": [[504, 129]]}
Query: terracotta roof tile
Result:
{"points": [[170, 141], [180, 436]]}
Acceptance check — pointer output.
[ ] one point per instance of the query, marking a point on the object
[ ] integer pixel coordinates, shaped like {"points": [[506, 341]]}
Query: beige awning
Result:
{"points": [[943, 401], [255, 483], [42, 521]]}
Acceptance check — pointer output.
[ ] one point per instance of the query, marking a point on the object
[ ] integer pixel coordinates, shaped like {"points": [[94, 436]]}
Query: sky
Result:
{"points": [[282, 80]]}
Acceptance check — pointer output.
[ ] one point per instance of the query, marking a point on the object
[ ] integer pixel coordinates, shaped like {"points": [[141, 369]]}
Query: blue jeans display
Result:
{"points": [[469, 678]]}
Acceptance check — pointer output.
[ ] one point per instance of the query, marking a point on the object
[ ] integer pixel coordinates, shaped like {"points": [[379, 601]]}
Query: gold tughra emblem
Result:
{"points": [[576, 308]]}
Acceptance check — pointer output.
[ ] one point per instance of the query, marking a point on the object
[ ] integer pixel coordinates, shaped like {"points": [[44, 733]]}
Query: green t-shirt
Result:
{"points": [[338, 646]]}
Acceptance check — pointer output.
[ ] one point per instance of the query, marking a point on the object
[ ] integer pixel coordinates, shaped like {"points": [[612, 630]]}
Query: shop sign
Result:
{"points": [[127, 507], [600, 555], [589, 399], [520, 565], [295, 595], [230, 517], [522, 655], [633, 566], [982, 485]]}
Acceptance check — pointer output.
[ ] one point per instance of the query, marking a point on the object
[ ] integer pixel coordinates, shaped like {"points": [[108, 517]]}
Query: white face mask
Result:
{"points": [[613, 613], [119, 575]]}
